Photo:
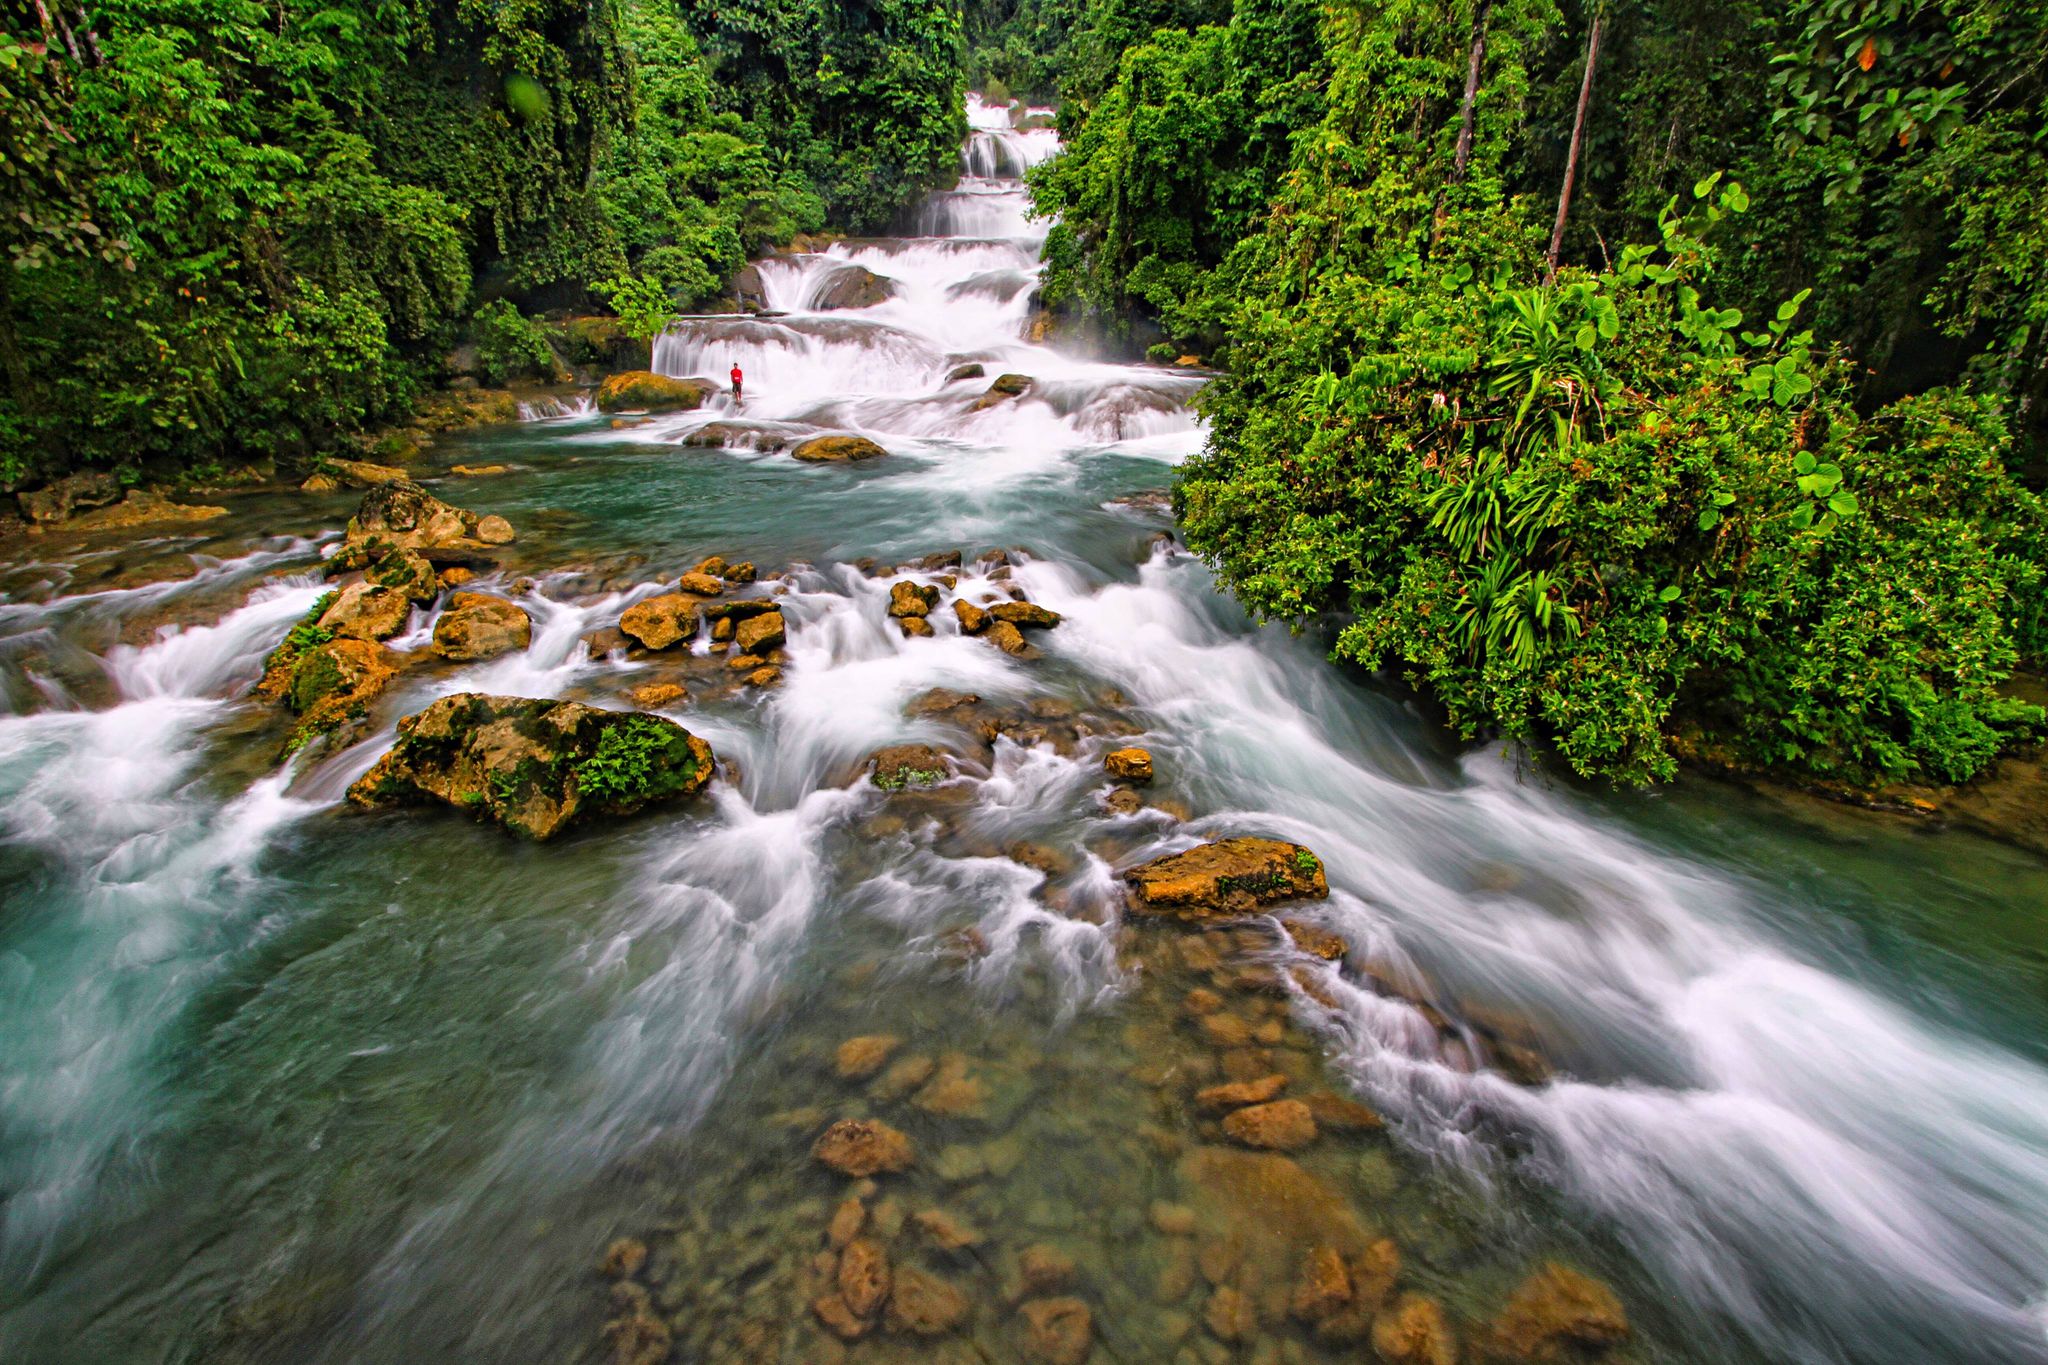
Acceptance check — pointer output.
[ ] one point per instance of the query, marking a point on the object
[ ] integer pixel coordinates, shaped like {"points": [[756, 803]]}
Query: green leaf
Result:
{"points": [[1802, 516], [1710, 518], [1804, 462], [1669, 594], [1843, 504]]}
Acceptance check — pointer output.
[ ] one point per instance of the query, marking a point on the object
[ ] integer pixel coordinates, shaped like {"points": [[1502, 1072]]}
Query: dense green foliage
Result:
{"points": [[1740, 490], [236, 230]]}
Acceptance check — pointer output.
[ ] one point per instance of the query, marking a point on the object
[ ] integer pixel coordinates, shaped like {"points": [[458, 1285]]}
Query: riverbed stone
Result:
{"points": [[1026, 615], [661, 622], [864, 1276], [864, 1147], [926, 1305], [859, 1058], [915, 628], [973, 620], [757, 634], [1128, 765], [837, 450], [1557, 1314], [1225, 878], [847, 1221], [476, 625], [646, 391], [1006, 637], [366, 611], [901, 766], [402, 515], [332, 686], [536, 765], [1412, 1331], [701, 584], [655, 696], [1280, 1126], [1001, 390], [908, 598], [1057, 1331], [1238, 1094]]}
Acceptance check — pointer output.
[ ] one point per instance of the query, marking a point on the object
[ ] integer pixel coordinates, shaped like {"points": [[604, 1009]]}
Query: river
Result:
{"points": [[284, 1081]]}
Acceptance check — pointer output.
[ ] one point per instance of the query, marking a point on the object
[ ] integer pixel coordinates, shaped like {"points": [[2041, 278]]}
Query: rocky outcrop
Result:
{"points": [[1005, 387], [55, 501], [401, 515], [142, 507], [661, 622], [332, 686], [760, 633], [476, 625], [1006, 637], [837, 449], [971, 370], [646, 391], [853, 286], [536, 766], [735, 436], [361, 473], [747, 290], [366, 611], [973, 620], [1225, 878], [1026, 615]]}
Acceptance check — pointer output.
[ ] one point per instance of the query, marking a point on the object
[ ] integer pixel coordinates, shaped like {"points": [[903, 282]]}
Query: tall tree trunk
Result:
{"points": [[1571, 162], [1466, 111]]}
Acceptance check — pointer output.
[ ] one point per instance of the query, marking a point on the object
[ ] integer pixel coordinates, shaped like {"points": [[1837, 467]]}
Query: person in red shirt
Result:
{"points": [[738, 380]]}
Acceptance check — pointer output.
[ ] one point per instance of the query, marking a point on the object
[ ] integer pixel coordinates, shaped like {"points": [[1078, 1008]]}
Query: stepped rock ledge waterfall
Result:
{"points": [[1555, 1074]]}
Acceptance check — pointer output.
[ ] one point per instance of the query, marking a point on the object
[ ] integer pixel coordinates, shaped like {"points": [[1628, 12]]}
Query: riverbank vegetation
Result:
{"points": [[1648, 381], [236, 231]]}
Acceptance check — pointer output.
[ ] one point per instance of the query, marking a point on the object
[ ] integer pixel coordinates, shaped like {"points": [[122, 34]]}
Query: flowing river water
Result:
{"points": [[284, 1081]]}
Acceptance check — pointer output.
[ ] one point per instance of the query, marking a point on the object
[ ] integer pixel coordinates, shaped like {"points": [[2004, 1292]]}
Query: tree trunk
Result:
{"points": [[1466, 110], [1571, 162]]}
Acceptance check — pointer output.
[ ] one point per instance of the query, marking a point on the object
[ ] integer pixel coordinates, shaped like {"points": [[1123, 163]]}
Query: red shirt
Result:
{"points": [[736, 374]]}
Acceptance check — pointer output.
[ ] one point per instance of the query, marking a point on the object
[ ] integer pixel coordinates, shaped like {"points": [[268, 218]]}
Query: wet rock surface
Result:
{"points": [[645, 391], [1226, 878], [837, 450], [477, 626], [535, 766]]}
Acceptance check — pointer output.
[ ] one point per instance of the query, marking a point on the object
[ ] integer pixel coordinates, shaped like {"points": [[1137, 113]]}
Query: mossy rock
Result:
{"points": [[646, 391]]}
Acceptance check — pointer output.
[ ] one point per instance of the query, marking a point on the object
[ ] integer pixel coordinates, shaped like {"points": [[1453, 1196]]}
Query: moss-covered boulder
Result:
{"points": [[646, 391], [536, 766], [904, 766], [366, 611], [401, 515], [331, 688], [1226, 878], [837, 450], [476, 625]]}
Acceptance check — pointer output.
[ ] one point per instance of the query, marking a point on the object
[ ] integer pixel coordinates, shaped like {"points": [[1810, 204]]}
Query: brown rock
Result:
{"points": [[1231, 1315], [721, 630], [1045, 1269], [925, 1305], [1237, 1094], [1341, 1114], [1173, 1220], [654, 696], [939, 701], [1057, 1331], [904, 1076], [495, 530], [840, 1320], [973, 620], [908, 765], [1225, 1030], [864, 1147], [1025, 615], [1124, 801], [837, 449], [864, 1276], [661, 622], [639, 1339], [701, 584], [1129, 765], [1324, 1288], [1201, 1000], [365, 611], [1412, 1331], [1281, 1126], [915, 628], [645, 391], [455, 576], [1557, 1314], [742, 572], [757, 634], [947, 1232], [623, 1258], [907, 598], [478, 626], [745, 663], [1316, 942], [1229, 877], [860, 1058], [847, 1221], [1010, 640], [332, 685], [766, 676], [478, 471], [952, 1092]]}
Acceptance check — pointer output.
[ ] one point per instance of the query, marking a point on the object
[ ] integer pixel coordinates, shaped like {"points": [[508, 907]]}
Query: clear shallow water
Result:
{"points": [[280, 1081]]}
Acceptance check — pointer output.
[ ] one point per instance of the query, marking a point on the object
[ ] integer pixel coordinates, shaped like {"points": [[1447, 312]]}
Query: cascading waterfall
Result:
{"points": [[284, 1081]]}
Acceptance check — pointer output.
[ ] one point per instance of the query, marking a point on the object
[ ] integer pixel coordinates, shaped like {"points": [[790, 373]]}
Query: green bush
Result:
{"points": [[510, 346]]}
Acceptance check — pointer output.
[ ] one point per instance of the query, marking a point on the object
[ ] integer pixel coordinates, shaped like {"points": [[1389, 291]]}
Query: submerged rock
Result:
{"points": [[1058, 1331], [477, 625], [536, 766], [1279, 1126], [909, 765], [1557, 1314], [859, 1058], [1228, 877], [864, 1276], [925, 1305], [864, 1147], [1412, 1331], [830, 449], [646, 391], [736, 436]]}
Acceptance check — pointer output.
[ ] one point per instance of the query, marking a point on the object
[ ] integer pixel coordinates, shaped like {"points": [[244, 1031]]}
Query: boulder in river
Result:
{"points": [[1010, 640], [646, 391], [736, 436], [404, 516], [909, 765], [973, 620], [760, 633], [536, 766], [700, 583], [853, 286], [365, 611], [837, 449], [1026, 615], [662, 621], [864, 1147], [907, 598], [1128, 765], [971, 370], [332, 686], [1004, 388], [476, 625], [1228, 877]]}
